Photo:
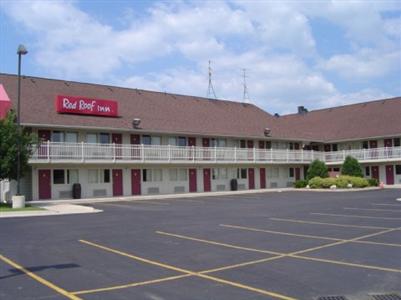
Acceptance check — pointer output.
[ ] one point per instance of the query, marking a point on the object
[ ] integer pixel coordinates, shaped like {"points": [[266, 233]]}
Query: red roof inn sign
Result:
{"points": [[86, 106]]}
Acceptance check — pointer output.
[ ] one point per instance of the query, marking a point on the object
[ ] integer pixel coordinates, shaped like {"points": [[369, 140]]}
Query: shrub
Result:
{"points": [[351, 167], [316, 182], [359, 182], [373, 182], [300, 184], [317, 169], [339, 182], [342, 182]]}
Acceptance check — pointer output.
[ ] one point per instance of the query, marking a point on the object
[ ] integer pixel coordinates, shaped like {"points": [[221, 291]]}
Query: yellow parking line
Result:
{"points": [[355, 216], [128, 285], [296, 253], [217, 243], [329, 224], [373, 209], [281, 232], [39, 279], [309, 236], [185, 271]]}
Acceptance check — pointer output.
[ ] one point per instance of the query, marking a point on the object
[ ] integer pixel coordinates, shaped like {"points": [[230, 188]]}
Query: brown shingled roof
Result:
{"points": [[159, 112], [170, 113]]}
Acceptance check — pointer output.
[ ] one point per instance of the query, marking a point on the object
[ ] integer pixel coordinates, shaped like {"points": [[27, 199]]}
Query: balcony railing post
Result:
{"points": [[142, 152], [169, 153], [364, 154], [343, 155], [254, 154], [48, 150], [114, 152], [271, 154], [215, 153], [287, 154], [302, 155], [311, 155], [82, 152], [235, 154], [193, 153]]}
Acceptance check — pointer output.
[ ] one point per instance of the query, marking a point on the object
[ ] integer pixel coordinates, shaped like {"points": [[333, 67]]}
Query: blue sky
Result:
{"points": [[311, 53]]}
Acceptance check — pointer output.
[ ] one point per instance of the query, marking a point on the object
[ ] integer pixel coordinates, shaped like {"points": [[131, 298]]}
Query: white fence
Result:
{"points": [[85, 152]]}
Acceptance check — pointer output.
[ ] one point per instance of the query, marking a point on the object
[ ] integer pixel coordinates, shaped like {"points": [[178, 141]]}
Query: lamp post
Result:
{"points": [[21, 51]]}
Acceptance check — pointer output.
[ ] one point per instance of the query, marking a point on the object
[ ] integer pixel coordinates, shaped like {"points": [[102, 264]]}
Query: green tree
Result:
{"points": [[351, 167], [9, 136], [317, 169]]}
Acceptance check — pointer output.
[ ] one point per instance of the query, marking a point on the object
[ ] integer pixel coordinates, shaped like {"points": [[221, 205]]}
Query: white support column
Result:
{"points": [[114, 152], [143, 152], [169, 153], [82, 152], [48, 151]]}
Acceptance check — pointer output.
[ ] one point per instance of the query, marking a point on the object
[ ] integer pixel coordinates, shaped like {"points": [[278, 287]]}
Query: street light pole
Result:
{"points": [[21, 51]]}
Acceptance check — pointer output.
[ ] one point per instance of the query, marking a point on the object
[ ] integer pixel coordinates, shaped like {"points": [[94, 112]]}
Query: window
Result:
{"points": [[182, 141], [241, 173], [398, 169], [72, 176], [367, 171], [93, 176], [91, 138], [273, 172], [397, 142], [177, 174], [152, 175], [99, 176], [156, 140], [268, 145], [58, 177], [291, 172], [71, 137], [104, 138], [146, 140], [58, 136], [334, 147], [220, 173], [365, 145], [172, 141], [291, 146], [336, 169]]}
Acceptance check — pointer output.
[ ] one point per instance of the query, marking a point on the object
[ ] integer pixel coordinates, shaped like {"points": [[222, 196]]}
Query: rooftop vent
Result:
{"points": [[136, 122], [302, 110], [276, 115], [267, 131]]}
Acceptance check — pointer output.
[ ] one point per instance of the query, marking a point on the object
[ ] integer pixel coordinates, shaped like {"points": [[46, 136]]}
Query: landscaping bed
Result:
{"points": [[7, 207]]}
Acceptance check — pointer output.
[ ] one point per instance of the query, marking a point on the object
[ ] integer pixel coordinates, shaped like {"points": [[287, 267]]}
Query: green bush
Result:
{"points": [[351, 167], [317, 169], [339, 182], [373, 182], [300, 184]]}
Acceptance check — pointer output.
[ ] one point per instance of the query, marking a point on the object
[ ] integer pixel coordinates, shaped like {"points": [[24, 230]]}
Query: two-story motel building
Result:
{"points": [[120, 142]]}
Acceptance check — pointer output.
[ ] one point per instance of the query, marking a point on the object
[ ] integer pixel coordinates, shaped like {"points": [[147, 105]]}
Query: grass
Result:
{"points": [[6, 207]]}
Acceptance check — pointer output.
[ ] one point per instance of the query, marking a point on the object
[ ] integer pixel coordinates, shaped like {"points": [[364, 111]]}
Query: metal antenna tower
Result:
{"points": [[210, 89], [245, 95]]}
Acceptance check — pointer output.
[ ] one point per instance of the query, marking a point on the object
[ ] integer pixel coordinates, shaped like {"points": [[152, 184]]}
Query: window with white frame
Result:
{"points": [[273, 172], [178, 174], [69, 176], [291, 172], [98, 176], [242, 173], [172, 141], [219, 173], [152, 175], [72, 176]]}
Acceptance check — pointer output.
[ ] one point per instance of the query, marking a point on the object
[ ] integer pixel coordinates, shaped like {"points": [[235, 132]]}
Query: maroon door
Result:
{"points": [[296, 146], [192, 180], [45, 191], [372, 144], [242, 143], [191, 141], [390, 174], [135, 151], [251, 178], [44, 136], [262, 172], [261, 144], [207, 185], [327, 147], [117, 139], [117, 182], [375, 172], [250, 144], [205, 142], [388, 143], [135, 181], [297, 173]]}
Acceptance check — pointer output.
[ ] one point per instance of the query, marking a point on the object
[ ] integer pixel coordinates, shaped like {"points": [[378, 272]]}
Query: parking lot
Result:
{"points": [[289, 245]]}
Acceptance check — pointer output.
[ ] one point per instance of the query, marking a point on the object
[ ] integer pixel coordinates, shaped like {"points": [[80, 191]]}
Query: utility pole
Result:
{"points": [[210, 90], [245, 96]]}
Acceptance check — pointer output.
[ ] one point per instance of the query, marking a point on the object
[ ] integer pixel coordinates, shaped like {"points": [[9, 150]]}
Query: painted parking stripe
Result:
{"points": [[329, 224], [373, 209], [39, 279], [385, 204], [355, 216], [296, 254], [309, 236], [185, 271], [128, 285]]}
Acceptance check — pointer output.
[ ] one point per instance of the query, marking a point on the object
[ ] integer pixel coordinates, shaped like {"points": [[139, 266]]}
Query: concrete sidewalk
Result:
{"points": [[52, 210]]}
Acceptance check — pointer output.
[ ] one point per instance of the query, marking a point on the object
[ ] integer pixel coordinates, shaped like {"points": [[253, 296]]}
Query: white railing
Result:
{"points": [[85, 152]]}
